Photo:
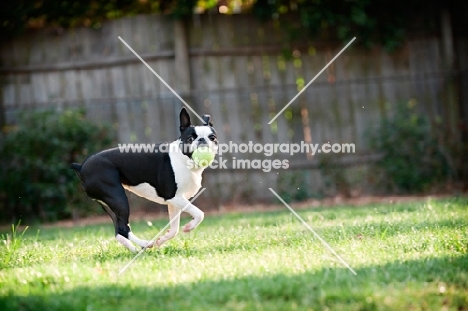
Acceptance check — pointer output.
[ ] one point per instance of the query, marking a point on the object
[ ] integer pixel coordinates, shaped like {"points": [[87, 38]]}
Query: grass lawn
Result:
{"points": [[408, 256]]}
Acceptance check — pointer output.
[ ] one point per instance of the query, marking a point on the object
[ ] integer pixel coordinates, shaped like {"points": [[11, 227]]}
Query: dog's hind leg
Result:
{"points": [[120, 206], [115, 202], [174, 220], [124, 241], [107, 189]]}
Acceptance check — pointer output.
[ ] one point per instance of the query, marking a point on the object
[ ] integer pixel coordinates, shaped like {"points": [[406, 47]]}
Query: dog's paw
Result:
{"points": [[150, 244], [187, 228], [160, 242]]}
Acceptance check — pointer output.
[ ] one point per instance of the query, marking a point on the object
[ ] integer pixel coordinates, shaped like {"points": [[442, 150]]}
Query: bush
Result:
{"points": [[36, 182], [292, 186], [412, 158]]}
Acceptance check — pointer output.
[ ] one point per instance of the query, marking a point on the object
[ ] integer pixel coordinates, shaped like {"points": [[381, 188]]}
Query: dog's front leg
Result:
{"points": [[184, 205], [174, 218]]}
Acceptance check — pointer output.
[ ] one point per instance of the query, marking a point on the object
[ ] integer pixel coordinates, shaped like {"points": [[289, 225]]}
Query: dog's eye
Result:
{"points": [[190, 139], [212, 137]]}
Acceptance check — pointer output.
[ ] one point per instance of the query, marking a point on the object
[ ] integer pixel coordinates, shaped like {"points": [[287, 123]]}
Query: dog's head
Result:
{"points": [[192, 137]]}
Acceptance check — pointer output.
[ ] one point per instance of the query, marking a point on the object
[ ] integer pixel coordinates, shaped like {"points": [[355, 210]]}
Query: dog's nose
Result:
{"points": [[202, 141]]}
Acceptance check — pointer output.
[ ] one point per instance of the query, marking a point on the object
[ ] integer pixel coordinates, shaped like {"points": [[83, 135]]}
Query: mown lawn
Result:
{"points": [[410, 256]]}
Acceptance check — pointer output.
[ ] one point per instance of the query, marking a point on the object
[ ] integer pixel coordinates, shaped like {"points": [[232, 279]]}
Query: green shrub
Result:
{"points": [[292, 186], [36, 182], [412, 158]]}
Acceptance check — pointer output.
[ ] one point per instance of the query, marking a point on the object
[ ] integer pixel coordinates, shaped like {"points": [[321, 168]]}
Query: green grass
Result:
{"points": [[410, 256]]}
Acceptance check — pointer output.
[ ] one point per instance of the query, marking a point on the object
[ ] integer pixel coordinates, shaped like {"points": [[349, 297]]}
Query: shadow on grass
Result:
{"points": [[433, 284]]}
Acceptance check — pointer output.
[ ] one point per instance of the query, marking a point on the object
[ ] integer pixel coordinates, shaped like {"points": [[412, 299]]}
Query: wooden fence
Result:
{"points": [[242, 73]]}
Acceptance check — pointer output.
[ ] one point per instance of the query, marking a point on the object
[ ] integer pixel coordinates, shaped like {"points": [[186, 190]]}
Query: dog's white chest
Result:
{"points": [[190, 185], [188, 180]]}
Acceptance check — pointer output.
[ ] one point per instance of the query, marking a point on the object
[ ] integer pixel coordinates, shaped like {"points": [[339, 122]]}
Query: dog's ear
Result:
{"points": [[207, 120], [184, 119]]}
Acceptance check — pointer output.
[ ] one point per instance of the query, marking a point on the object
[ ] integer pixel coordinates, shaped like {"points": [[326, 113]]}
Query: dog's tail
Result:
{"points": [[76, 167]]}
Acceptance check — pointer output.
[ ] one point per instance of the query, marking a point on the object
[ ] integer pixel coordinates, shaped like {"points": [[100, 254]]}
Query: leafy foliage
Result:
{"points": [[373, 22], [291, 186], [35, 155], [15, 16], [412, 158]]}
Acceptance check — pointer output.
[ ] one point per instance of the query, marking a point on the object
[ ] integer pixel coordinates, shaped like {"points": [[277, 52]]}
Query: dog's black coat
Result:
{"points": [[133, 169]]}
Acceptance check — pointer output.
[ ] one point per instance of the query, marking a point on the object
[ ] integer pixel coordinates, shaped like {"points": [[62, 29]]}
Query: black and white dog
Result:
{"points": [[163, 177]]}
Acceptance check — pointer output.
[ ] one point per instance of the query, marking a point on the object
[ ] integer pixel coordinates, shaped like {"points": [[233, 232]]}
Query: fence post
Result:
{"points": [[450, 96], [182, 62], [454, 105]]}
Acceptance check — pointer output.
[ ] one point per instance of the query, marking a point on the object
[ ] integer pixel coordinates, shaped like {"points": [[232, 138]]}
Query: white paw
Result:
{"points": [[160, 242], [188, 227], [125, 242], [149, 244]]}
